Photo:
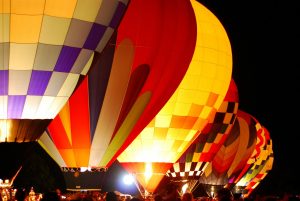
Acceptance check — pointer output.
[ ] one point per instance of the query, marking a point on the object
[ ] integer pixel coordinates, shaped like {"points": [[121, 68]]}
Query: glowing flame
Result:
{"points": [[184, 188], [4, 130], [148, 171]]}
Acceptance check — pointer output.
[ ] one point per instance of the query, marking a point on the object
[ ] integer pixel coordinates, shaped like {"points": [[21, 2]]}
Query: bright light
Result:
{"points": [[212, 191], [83, 169], [5, 127], [128, 179], [148, 171], [184, 187]]}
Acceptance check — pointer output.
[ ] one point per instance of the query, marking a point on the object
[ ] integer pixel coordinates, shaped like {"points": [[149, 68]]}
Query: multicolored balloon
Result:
{"points": [[259, 167], [187, 112], [132, 79], [45, 47], [233, 154], [190, 166]]}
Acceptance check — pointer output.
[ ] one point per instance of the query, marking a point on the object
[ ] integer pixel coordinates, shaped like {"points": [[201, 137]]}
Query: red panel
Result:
{"points": [[58, 134], [232, 94], [206, 157], [79, 114], [207, 128], [214, 148]]}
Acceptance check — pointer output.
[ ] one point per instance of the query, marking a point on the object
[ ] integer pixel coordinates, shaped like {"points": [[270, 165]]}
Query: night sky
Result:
{"points": [[265, 42], [265, 52]]}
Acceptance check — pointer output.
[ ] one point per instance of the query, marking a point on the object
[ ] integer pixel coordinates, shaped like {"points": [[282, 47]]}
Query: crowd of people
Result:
{"points": [[169, 194]]}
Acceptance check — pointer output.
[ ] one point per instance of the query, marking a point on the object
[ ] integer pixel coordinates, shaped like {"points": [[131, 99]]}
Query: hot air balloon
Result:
{"points": [[236, 171], [198, 96], [126, 86], [259, 167], [239, 143], [265, 168], [46, 46], [190, 166]]}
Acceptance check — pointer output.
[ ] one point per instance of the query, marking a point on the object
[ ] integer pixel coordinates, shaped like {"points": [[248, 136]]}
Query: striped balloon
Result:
{"points": [[239, 143], [133, 77], [262, 164]]}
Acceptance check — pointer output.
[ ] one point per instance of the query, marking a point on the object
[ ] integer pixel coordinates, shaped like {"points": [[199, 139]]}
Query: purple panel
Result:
{"points": [[184, 157], [3, 82], [118, 15], [15, 106], [231, 180], [39, 82], [94, 37], [66, 59]]}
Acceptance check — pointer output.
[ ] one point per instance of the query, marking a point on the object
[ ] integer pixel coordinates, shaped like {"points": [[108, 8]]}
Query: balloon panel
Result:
{"points": [[186, 171]]}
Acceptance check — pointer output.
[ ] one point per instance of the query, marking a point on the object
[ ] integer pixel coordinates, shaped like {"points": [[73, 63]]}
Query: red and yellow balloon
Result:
{"points": [[200, 93], [258, 166]]}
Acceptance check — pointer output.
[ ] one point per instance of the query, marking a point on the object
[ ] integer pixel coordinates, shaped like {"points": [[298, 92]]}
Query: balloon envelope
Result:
{"points": [[45, 46], [262, 164], [133, 77], [239, 143], [190, 166], [201, 91]]}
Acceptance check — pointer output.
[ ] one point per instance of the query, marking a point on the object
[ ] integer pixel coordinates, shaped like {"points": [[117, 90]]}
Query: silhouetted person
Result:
{"points": [[187, 196], [111, 196], [135, 199], [20, 195], [158, 198], [224, 194], [270, 198], [50, 196], [294, 198], [171, 193]]}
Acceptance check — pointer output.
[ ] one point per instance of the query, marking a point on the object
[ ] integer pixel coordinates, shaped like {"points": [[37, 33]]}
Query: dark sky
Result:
{"points": [[265, 47], [265, 42]]}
